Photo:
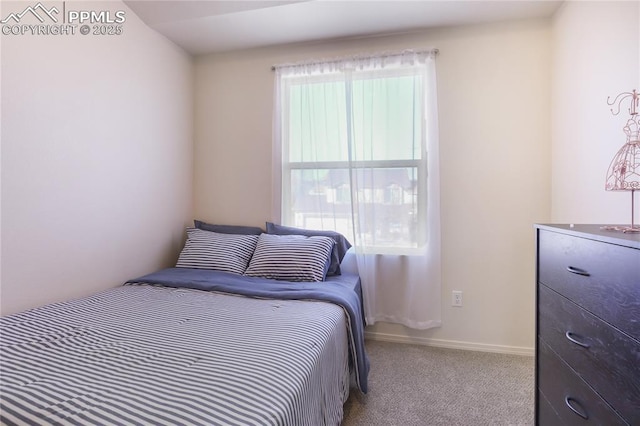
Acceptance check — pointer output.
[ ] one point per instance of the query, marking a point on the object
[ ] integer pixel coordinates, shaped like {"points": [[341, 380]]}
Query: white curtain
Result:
{"points": [[356, 151]]}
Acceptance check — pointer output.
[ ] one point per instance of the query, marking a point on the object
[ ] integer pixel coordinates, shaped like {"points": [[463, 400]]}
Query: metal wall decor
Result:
{"points": [[624, 170]]}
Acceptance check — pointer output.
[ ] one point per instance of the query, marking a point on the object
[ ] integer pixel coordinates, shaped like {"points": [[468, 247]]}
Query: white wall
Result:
{"points": [[97, 153], [596, 55], [494, 102]]}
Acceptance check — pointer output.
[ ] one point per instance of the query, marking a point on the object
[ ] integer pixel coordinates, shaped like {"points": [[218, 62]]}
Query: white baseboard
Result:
{"points": [[450, 344]]}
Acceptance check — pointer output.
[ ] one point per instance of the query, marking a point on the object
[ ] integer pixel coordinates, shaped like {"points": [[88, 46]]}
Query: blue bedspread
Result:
{"points": [[328, 291]]}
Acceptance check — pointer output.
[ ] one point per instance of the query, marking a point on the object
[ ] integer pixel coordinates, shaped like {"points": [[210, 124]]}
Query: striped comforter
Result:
{"points": [[152, 355]]}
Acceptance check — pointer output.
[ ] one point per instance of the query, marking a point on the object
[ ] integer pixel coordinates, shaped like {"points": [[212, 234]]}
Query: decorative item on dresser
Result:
{"points": [[624, 170], [588, 326]]}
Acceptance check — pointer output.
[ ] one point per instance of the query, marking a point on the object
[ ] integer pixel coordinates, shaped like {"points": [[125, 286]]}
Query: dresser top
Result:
{"points": [[594, 232]]}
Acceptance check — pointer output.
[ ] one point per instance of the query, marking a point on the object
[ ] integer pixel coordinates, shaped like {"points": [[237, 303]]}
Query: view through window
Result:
{"points": [[354, 156]]}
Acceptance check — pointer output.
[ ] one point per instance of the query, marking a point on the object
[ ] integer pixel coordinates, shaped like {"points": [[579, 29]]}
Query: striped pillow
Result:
{"points": [[291, 257], [222, 252]]}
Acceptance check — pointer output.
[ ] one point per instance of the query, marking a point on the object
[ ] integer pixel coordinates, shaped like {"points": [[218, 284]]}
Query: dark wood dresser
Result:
{"points": [[587, 326]]}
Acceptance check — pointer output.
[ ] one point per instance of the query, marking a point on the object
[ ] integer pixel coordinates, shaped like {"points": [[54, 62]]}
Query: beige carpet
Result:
{"points": [[421, 385]]}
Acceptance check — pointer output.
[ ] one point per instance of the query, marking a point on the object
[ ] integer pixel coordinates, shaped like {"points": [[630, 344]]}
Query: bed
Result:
{"points": [[187, 346]]}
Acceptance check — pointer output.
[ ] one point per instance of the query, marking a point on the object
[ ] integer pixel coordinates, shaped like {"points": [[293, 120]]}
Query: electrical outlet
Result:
{"points": [[456, 298]]}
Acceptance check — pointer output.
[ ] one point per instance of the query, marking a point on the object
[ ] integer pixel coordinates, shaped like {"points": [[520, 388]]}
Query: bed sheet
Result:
{"points": [[336, 292], [147, 354]]}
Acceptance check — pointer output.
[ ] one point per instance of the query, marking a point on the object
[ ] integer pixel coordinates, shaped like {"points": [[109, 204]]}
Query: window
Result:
{"points": [[354, 155], [355, 148]]}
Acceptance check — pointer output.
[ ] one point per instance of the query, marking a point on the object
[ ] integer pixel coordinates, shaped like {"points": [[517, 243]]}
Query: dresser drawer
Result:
{"points": [[546, 415], [603, 278], [604, 357], [571, 398]]}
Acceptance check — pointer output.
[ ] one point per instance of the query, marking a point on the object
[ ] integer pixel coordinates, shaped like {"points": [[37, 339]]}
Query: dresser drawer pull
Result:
{"points": [[578, 409], [578, 271], [569, 335]]}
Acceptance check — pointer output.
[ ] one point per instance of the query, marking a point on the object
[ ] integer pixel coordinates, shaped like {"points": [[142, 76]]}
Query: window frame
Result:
{"points": [[420, 164]]}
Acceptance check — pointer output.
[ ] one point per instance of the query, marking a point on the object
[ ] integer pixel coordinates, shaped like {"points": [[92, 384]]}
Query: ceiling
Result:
{"points": [[209, 26]]}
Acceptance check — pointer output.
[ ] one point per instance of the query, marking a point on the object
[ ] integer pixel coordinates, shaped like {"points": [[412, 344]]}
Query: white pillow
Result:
{"points": [[291, 257], [222, 252]]}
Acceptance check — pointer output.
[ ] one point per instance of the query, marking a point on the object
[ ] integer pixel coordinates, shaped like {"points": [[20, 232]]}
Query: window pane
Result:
{"points": [[387, 122], [388, 199], [317, 122], [386, 119]]}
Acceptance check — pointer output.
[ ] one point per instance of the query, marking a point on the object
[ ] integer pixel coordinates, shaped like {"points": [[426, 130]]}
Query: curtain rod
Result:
{"points": [[342, 58]]}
